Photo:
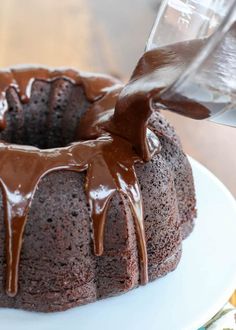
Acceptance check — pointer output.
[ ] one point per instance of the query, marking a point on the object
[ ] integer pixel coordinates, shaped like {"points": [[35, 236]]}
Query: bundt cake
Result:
{"points": [[83, 214]]}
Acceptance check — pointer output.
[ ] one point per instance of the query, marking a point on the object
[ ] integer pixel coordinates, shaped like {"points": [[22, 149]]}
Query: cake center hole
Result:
{"points": [[49, 119]]}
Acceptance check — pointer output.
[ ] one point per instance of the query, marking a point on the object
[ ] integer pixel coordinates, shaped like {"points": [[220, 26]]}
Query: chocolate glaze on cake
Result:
{"points": [[109, 162], [104, 144]]}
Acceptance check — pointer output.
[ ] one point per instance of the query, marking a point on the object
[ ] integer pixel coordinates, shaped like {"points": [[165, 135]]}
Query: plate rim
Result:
{"points": [[223, 298]]}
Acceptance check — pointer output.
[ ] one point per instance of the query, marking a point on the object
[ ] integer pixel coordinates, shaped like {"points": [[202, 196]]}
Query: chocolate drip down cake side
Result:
{"points": [[96, 194]]}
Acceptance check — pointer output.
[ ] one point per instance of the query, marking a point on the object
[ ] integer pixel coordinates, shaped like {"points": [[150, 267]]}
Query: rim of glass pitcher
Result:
{"points": [[205, 52]]}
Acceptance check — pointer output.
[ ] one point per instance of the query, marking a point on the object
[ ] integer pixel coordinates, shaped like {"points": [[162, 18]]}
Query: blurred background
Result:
{"points": [[104, 36]]}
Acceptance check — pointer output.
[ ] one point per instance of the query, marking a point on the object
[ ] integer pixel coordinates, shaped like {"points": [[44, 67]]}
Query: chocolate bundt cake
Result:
{"points": [[83, 214]]}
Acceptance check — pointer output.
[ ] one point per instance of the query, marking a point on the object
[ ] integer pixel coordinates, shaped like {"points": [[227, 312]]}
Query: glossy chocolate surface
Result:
{"points": [[107, 159]]}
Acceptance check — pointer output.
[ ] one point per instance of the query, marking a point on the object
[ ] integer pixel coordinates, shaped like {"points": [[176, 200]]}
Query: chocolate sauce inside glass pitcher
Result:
{"points": [[207, 93]]}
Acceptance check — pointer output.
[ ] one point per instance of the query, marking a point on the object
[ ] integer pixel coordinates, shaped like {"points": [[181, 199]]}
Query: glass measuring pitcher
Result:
{"points": [[202, 34]]}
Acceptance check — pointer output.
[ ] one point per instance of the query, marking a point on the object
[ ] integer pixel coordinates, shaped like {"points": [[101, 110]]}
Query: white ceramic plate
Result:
{"points": [[183, 300]]}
